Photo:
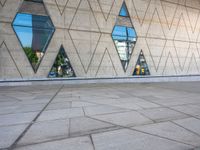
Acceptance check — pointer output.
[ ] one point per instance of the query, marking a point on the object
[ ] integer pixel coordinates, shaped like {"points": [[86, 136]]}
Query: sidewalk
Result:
{"points": [[157, 116]]}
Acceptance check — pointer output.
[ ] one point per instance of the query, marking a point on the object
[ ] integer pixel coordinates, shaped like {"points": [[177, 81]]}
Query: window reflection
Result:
{"points": [[125, 39], [124, 36], [62, 66], [141, 66], [34, 33], [124, 11]]}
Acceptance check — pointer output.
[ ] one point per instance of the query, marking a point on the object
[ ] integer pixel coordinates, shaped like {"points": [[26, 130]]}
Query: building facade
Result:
{"points": [[98, 38]]}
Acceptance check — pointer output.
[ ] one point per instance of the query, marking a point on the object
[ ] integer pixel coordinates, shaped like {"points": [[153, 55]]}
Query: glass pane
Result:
{"points": [[124, 11], [119, 33], [62, 66], [33, 21], [34, 33], [124, 39], [141, 66]]}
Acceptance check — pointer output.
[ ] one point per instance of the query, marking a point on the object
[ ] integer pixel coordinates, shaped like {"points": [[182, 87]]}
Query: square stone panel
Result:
{"points": [[9, 134], [191, 124], [61, 114], [102, 109], [128, 140], [45, 131], [84, 125], [171, 131], [19, 118], [162, 114], [80, 143], [124, 119]]}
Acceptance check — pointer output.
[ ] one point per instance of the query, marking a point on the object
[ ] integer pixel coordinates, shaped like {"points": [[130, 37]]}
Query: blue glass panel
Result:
{"points": [[23, 20], [32, 21], [119, 30], [25, 34], [62, 66], [131, 32], [34, 33], [124, 11]]}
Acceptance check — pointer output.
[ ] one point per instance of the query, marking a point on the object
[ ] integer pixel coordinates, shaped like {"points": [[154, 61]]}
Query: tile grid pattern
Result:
{"points": [[97, 116]]}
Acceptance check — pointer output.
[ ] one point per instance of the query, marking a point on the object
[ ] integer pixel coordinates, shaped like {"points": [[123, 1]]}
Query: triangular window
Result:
{"points": [[141, 67], [62, 66], [124, 11]]}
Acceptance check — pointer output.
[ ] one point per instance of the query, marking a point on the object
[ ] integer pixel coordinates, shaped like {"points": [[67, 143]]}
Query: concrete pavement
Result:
{"points": [[151, 116]]}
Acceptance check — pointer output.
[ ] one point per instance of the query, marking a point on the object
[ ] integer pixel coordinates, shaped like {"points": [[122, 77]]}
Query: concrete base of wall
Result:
{"points": [[66, 81]]}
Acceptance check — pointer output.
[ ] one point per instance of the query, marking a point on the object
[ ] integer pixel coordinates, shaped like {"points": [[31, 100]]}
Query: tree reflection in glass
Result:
{"points": [[62, 66], [34, 33]]}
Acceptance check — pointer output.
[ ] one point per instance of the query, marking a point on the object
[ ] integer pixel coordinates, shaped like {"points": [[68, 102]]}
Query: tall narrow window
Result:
{"points": [[62, 66], [124, 36], [141, 67], [34, 30]]}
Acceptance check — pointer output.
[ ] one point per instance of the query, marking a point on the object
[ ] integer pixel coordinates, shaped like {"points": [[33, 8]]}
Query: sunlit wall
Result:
{"points": [[98, 38]]}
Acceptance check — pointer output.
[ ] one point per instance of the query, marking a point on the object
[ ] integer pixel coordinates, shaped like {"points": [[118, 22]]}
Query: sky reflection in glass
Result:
{"points": [[34, 33]]}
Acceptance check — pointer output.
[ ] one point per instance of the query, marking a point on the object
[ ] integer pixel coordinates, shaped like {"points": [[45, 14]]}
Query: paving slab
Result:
{"points": [[102, 109], [126, 119], [125, 139], [85, 125], [82, 104], [45, 131], [189, 109], [9, 134], [191, 124], [116, 116], [61, 114], [80, 143], [18, 118], [171, 131], [59, 105], [162, 114]]}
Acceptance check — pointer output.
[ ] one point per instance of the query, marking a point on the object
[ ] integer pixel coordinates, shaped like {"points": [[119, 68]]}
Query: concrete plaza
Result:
{"points": [[151, 116]]}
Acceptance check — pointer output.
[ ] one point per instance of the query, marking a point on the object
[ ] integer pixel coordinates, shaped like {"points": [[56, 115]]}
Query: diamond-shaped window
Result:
{"points": [[124, 36], [141, 66], [34, 30], [62, 66]]}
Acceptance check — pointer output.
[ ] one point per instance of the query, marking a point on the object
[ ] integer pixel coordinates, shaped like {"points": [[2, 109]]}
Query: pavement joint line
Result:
{"points": [[189, 115], [117, 112], [69, 128], [163, 106], [103, 130], [33, 121], [159, 86], [27, 123], [25, 112], [185, 128], [83, 111], [131, 128], [103, 121], [177, 141], [92, 142]]}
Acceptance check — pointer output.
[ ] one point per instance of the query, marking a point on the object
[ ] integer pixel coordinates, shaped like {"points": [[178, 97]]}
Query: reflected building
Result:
{"points": [[34, 31], [124, 36]]}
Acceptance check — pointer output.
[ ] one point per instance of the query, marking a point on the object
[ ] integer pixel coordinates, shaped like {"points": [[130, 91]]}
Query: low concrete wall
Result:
{"points": [[72, 81]]}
